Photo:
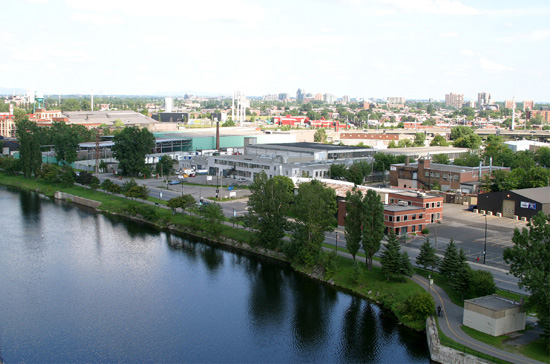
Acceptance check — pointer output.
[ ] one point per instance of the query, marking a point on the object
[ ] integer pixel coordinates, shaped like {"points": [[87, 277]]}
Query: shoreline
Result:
{"points": [[225, 243]]}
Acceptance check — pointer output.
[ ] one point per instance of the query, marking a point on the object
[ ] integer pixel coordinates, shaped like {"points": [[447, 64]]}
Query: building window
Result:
{"points": [[444, 176], [391, 200], [420, 216], [433, 205], [419, 227], [437, 216], [391, 218], [398, 218], [413, 228], [426, 174], [414, 216], [455, 177], [437, 175], [438, 204], [427, 205], [405, 218]]}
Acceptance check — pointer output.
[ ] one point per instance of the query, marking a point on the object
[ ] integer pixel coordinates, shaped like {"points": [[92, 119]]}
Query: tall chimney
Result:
{"points": [[218, 136]]}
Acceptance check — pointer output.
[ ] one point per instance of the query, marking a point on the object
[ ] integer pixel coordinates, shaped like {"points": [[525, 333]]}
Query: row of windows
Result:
{"points": [[433, 204], [400, 218], [437, 175], [224, 162]]}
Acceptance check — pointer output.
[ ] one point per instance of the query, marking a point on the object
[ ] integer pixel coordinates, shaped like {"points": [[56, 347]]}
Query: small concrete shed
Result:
{"points": [[494, 315]]}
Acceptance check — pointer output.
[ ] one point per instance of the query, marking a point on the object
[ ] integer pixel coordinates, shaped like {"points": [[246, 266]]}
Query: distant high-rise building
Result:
{"points": [[271, 97], [283, 96], [483, 98], [300, 95], [454, 100], [319, 97], [396, 100], [329, 98], [345, 99], [509, 104], [528, 104]]}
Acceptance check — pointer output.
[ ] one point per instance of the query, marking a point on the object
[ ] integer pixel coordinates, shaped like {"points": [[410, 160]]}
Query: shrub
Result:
{"points": [[425, 231], [420, 305]]}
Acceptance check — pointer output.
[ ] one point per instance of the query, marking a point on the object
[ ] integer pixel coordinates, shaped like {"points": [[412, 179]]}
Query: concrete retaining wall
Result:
{"points": [[76, 199], [442, 354]]}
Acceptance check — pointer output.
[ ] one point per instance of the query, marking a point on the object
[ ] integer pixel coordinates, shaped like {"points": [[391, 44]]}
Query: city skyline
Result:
{"points": [[417, 49]]}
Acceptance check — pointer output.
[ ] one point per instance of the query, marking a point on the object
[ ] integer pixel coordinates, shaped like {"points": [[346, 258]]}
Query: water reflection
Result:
{"points": [[212, 257], [266, 302]]}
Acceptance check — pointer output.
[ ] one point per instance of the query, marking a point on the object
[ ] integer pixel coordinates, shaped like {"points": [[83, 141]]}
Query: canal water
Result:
{"points": [[81, 287]]}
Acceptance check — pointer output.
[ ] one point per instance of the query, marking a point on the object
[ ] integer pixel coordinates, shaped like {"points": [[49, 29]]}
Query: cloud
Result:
{"points": [[451, 34], [539, 35], [389, 7], [6, 37], [237, 11], [493, 67], [97, 19], [534, 37], [467, 52]]}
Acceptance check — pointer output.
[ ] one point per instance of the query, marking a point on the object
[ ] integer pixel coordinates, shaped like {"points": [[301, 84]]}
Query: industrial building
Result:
{"points": [[494, 315], [516, 204]]}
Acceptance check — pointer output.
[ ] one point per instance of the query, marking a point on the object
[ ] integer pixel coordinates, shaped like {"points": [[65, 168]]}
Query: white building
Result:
{"points": [[494, 315]]}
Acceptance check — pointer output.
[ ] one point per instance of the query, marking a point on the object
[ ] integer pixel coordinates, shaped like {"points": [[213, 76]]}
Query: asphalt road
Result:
{"points": [[465, 227]]}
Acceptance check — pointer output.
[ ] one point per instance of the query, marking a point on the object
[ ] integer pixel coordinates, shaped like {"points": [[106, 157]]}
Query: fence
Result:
{"points": [[466, 350]]}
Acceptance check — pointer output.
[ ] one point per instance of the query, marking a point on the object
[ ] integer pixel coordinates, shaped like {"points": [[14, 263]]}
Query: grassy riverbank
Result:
{"points": [[372, 285]]}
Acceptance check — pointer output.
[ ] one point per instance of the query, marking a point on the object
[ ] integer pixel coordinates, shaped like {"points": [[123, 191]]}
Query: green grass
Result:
{"points": [[446, 341], [534, 350]]}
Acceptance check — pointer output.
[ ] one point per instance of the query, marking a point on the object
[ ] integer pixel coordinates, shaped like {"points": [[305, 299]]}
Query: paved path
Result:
{"points": [[451, 321]]}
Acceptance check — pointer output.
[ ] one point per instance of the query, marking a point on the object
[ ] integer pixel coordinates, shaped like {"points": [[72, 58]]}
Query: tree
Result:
{"points": [[542, 157], [482, 284], [140, 192], [130, 148], [470, 159], [353, 221], [314, 208], [337, 171], [441, 158], [420, 305], [439, 140], [419, 140], [461, 280], [427, 256], [450, 263], [405, 266], [529, 261], [373, 225], [183, 202], [320, 136], [269, 203], [461, 131], [471, 141], [213, 214], [391, 256], [165, 165], [28, 136], [65, 139]]}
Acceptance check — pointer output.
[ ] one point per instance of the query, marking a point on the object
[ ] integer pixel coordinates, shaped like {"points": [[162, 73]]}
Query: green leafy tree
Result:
{"points": [[320, 136], [182, 202], [441, 158], [450, 263], [140, 192], [28, 136], [470, 159], [337, 171], [542, 157], [460, 132], [373, 225], [482, 283], [106, 184], [213, 214], [165, 165], [391, 256], [103, 166], [471, 141], [269, 202], [128, 184], [314, 208], [529, 261], [353, 221], [420, 305], [419, 140], [405, 266], [439, 140], [130, 148], [427, 256]]}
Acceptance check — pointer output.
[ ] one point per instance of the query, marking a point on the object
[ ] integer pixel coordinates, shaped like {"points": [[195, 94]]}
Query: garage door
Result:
{"points": [[508, 208]]}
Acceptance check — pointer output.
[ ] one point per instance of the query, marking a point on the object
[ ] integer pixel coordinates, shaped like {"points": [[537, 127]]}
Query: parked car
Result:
{"points": [[174, 182], [472, 207], [241, 179]]}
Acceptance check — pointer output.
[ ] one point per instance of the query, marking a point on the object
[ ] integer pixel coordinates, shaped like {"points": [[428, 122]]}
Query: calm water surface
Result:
{"points": [[79, 287]]}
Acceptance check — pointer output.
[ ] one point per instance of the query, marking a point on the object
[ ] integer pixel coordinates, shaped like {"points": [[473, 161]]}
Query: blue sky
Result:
{"points": [[417, 49]]}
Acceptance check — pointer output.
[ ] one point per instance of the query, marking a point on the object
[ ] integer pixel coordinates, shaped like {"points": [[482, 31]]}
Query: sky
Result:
{"points": [[418, 49]]}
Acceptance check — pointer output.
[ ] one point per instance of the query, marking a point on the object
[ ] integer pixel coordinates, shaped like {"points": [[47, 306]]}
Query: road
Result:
{"points": [[467, 228]]}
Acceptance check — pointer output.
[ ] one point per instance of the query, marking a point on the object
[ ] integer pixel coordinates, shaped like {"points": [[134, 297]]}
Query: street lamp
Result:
{"points": [[485, 246]]}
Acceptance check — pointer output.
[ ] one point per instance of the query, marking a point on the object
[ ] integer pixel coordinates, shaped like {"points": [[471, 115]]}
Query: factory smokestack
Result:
{"points": [[218, 136]]}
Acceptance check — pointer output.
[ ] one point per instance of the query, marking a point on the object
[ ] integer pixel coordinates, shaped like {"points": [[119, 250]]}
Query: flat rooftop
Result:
{"points": [[304, 146], [494, 302]]}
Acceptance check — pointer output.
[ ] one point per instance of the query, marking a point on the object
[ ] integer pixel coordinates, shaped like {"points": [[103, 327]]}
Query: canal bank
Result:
{"points": [[243, 247]]}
